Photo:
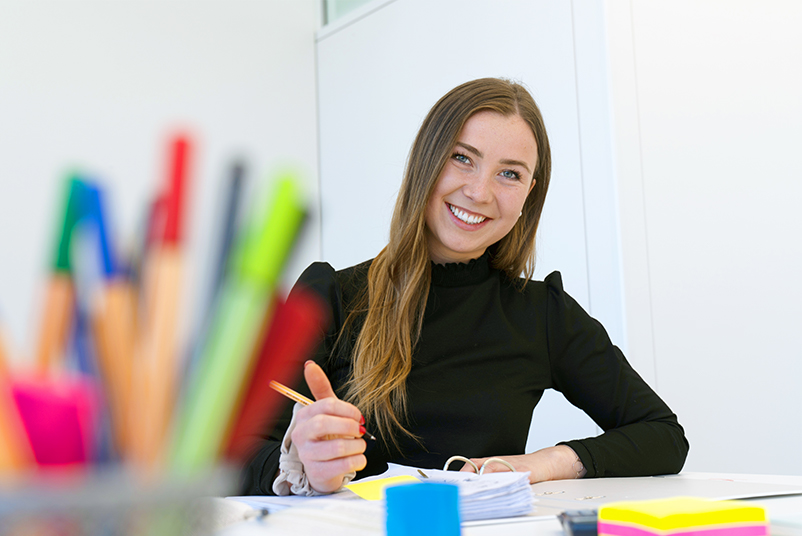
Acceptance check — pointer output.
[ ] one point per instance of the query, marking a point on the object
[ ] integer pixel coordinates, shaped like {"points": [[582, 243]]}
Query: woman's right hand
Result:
{"points": [[328, 434]]}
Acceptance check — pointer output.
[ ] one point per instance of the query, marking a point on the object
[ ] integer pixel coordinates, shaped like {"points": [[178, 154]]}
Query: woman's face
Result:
{"points": [[482, 188]]}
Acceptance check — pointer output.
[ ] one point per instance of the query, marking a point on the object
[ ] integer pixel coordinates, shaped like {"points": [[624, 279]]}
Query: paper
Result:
{"points": [[490, 496]]}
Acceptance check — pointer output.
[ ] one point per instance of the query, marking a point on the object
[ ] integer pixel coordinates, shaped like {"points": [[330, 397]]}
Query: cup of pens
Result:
{"points": [[114, 427]]}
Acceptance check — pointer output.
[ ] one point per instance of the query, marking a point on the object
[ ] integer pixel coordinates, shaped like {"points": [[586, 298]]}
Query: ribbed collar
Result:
{"points": [[457, 274]]}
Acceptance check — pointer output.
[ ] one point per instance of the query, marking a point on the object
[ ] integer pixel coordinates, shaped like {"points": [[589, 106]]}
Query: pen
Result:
{"points": [[212, 396], [154, 374], [60, 293], [301, 399], [295, 329]]}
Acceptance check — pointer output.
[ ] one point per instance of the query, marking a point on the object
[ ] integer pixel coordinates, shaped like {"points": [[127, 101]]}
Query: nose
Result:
{"points": [[479, 188]]}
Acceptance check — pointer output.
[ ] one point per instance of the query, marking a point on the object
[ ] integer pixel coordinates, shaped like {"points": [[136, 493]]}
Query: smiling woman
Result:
{"points": [[440, 345], [481, 191]]}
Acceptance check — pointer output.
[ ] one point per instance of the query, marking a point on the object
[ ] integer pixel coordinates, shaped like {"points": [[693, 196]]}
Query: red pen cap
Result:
{"points": [[174, 197]]}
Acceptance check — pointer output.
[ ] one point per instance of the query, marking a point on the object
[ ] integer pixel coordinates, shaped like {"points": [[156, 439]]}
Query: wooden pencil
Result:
{"points": [[301, 399], [289, 393]]}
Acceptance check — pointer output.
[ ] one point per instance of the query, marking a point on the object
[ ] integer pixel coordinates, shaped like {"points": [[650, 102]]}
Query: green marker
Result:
{"points": [[245, 298], [73, 211]]}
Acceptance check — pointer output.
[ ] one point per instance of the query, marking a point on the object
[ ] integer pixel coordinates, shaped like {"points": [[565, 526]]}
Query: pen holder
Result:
{"points": [[112, 503], [425, 509]]}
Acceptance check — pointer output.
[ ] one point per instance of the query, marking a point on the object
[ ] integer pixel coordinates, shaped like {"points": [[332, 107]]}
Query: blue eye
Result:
{"points": [[510, 174], [459, 157]]}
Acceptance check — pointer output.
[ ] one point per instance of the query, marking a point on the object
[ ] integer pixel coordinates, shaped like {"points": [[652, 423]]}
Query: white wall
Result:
{"points": [[99, 85], [708, 122]]}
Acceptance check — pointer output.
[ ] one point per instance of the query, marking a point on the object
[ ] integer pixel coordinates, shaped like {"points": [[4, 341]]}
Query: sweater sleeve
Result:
{"points": [[641, 434], [261, 468]]}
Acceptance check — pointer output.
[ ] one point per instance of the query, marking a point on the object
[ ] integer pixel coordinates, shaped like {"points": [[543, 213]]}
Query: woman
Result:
{"points": [[442, 347]]}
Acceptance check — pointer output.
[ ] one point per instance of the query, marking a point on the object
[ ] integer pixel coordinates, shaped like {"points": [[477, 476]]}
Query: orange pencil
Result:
{"points": [[289, 393], [301, 399]]}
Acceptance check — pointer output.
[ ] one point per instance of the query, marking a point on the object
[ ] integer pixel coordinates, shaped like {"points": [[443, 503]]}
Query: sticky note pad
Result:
{"points": [[682, 516], [373, 490]]}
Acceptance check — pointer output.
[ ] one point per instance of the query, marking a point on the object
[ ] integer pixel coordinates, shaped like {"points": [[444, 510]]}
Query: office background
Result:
{"points": [[673, 211]]}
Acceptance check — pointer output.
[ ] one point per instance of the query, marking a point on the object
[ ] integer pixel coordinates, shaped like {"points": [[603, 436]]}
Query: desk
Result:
{"points": [[541, 525]]}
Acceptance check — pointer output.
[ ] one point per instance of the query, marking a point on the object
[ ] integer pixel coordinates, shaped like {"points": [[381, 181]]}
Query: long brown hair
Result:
{"points": [[400, 275]]}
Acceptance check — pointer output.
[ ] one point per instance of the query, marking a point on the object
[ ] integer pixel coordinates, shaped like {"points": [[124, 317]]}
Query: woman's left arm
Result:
{"points": [[641, 434], [552, 463]]}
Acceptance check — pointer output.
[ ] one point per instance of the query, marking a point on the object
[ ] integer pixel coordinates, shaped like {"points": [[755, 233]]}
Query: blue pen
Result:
{"points": [[92, 224], [227, 236]]}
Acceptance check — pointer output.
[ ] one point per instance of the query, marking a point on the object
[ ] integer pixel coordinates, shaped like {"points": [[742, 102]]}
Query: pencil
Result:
{"points": [[301, 399], [289, 393]]}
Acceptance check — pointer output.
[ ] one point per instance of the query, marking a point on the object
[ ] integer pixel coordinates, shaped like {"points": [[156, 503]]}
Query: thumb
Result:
{"points": [[317, 381]]}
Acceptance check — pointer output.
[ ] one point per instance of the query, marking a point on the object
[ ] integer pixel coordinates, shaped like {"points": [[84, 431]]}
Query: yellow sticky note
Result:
{"points": [[677, 513], [372, 489]]}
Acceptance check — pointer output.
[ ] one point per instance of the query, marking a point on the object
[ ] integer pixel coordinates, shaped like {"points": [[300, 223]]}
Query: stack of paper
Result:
{"points": [[488, 496]]}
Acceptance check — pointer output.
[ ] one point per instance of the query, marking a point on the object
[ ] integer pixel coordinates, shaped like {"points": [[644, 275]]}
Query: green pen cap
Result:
{"points": [[270, 235]]}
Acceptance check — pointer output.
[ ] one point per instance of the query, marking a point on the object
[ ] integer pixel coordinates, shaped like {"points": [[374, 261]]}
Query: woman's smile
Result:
{"points": [[467, 217]]}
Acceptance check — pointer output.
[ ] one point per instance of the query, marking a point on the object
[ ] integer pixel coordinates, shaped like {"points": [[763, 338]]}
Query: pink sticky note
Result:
{"points": [[60, 416]]}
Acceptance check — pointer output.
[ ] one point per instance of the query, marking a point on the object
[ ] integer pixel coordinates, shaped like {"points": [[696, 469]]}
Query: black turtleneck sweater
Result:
{"points": [[487, 352]]}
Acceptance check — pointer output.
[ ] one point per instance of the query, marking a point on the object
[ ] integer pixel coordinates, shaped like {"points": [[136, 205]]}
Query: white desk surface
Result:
{"points": [[777, 507]]}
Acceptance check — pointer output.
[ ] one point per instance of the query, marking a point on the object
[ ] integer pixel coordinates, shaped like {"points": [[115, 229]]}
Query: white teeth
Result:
{"points": [[471, 220]]}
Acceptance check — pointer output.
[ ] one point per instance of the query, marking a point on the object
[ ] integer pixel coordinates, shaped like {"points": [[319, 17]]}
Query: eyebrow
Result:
{"points": [[478, 153]]}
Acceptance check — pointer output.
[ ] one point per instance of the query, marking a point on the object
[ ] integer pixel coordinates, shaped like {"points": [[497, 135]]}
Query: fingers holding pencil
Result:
{"points": [[327, 434], [321, 389], [328, 445]]}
